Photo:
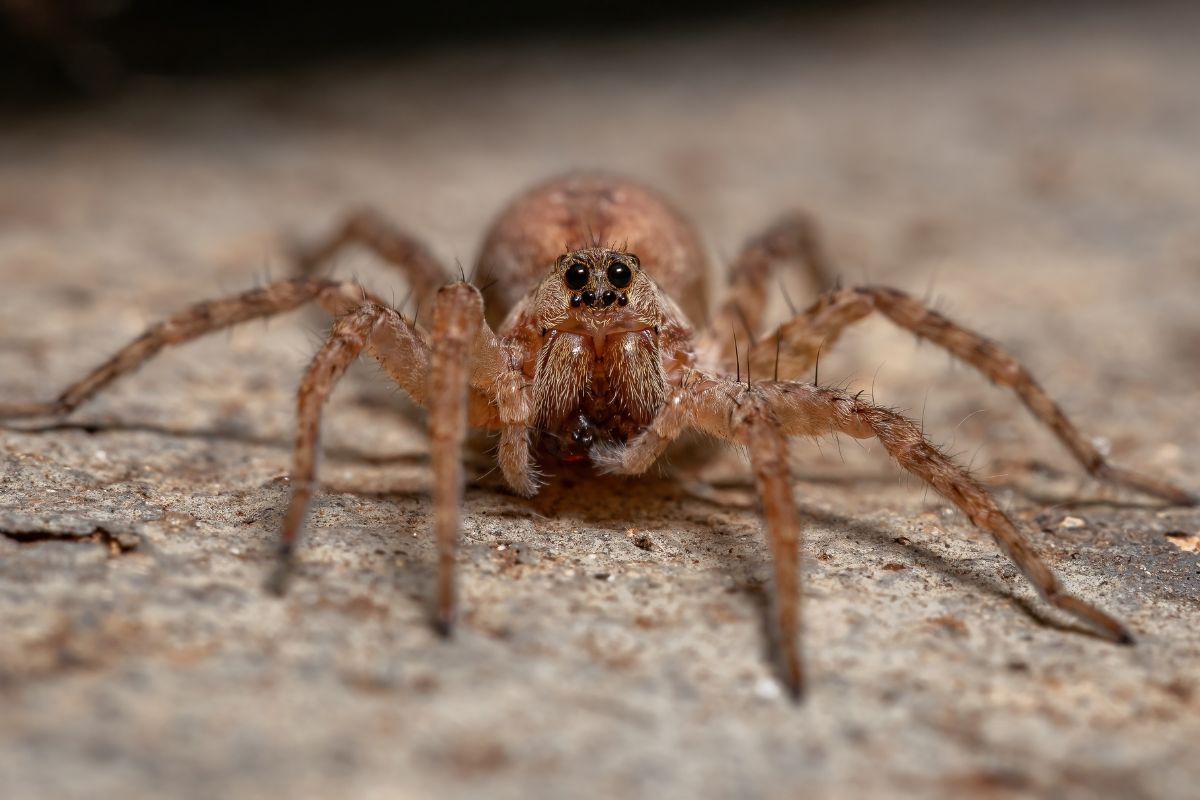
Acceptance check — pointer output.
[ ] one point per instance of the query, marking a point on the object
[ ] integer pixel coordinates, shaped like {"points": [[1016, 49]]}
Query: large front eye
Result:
{"points": [[619, 275], [576, 276]]}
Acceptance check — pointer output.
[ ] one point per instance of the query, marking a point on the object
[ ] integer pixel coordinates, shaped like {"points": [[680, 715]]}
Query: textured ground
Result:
{"points": [[1039, 175]]}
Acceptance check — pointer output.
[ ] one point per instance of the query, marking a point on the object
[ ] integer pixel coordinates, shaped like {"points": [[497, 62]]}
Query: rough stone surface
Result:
{"points": [[1038, 176]]}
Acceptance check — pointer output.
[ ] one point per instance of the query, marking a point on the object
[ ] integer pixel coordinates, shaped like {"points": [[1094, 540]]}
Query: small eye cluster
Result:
{"points": [[577, 275]]}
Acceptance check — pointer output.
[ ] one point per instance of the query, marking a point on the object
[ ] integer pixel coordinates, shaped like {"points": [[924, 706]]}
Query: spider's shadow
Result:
{"points": [[961, 573], [660, 499], [888, 541]]}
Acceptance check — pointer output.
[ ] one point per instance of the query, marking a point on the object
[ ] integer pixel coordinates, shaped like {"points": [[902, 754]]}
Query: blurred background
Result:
{"points": [[1031, 168], [94, 47]]}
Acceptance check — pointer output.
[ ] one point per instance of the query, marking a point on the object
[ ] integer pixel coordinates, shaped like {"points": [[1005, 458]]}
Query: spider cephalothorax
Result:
{"points": [[594, 360]]}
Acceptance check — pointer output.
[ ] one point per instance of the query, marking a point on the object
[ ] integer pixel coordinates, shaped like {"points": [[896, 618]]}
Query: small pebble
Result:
{"points": [[767, 689]]}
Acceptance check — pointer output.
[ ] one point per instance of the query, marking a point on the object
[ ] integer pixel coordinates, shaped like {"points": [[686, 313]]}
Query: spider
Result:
{"points": [[577, 352]]}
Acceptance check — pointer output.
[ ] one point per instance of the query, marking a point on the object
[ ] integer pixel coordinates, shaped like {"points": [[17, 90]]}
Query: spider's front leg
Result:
{"points": [[732, 411], [400, 349], [465, 376], [806, 410], [759, 415]]}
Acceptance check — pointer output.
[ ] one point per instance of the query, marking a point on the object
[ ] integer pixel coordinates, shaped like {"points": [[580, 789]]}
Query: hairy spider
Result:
{"points": [[576, 353]]}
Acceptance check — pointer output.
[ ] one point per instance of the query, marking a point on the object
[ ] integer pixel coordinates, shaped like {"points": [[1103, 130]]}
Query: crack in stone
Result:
{"points": [[116, 544]]}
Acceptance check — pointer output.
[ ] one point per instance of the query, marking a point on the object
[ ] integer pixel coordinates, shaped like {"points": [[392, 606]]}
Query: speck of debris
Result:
{"points": [[894, 567], [1072, 522], [952, 625], [767, 689]]}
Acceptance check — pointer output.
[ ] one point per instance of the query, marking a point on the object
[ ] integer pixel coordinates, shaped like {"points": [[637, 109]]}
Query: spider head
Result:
{"points": [[597, 278], [597, 291]]}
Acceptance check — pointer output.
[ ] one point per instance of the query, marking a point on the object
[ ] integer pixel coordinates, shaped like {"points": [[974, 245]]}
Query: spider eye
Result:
{"points": [[576, 276], [619, 275]]}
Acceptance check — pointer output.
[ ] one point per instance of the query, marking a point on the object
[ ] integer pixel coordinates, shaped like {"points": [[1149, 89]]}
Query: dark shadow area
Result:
{"points": [[59, 51], [904, 550], [54, 50]]}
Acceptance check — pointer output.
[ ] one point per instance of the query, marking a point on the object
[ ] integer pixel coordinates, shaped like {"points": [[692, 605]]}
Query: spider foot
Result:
{"points": [[277, 582], [444, 622], [29, 410], [1155, 487]]}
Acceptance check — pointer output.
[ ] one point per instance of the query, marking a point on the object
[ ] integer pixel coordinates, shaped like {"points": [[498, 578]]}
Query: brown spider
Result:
{"points": [[580, 355]]}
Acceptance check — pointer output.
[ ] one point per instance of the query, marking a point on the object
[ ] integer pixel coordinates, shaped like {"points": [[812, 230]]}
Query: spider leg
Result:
{"points": [[346, 340], [395, 246], [498, 376], [467, 377], [794, 237], [761, 414], [467, 371], [759, 432], [203, 318], [807, 410], [798, 341], [741, 416], [457, 321]]}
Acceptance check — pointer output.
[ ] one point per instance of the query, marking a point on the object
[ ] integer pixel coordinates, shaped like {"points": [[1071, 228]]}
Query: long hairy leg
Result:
{"points": [[367, 228], [794, 237], [457, 320], [192, 323], [346, 340], [807, 410], [468, 369], [460, 379], [796, 344], [747, 419], [756, 428], [718, 406]]}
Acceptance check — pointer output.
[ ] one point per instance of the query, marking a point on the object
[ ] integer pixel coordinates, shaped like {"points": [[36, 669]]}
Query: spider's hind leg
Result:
{"points": [[793, 237], [395, 246], [793, 348]]}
